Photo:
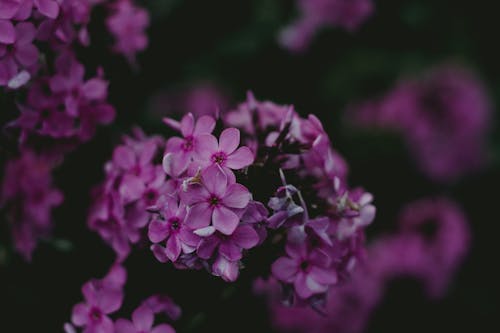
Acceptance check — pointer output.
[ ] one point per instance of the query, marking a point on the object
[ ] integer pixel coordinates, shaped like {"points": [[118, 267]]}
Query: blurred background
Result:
{"points": [[219, 50]]}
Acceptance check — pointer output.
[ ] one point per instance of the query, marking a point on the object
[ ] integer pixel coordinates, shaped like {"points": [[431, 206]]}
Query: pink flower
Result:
{"points": [[102, 297], [127, 24], [182, 149], [307, 270], [17, 54], [142, 322], [224, 152], [244, 237], [215, 201], [28, 197], [170, 225]]}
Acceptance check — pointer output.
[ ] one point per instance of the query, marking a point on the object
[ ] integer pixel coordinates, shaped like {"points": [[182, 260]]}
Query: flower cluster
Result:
{"points": [[443, 116], [134, 182], [127, 23], [430, 246], [64, 107], [103, 297], [28, 197], [214, 200], [316, 14]]}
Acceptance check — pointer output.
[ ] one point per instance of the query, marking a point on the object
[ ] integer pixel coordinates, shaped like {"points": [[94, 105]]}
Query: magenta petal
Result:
{"points": [[225, 220], [314, 286], [8, 8], [204, 125], [245, 237], [158, 230], [241, 158], [227, 270], [174, 144], [159, 253], [323, 276], [163, 328], [143, 318], [301, 288], [173, 248], [27, 55], [285, 269], [25, 33], [199, 216], [95, 89], [110, 300], [215, 180], [79, 314], [124, 326], [124, 157], [174, 164], [237, 196], [207, 247], [7, 32], [187, 125], [132, 188], [195, 194], [49, 8], [206, 145], [229, 140], [229, 250]]}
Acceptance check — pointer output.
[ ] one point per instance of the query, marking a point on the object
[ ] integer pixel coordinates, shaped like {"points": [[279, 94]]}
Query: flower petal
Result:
{"points": [[225, 220], [206, 145], [229, 250], [143, 318], [215, 180], [163, 328], [301, 287], [237, 196], [187, 125], [199, 216], [285, 269], [158, 230], [227, 270], [27, 55], [49, 8], [7, 32], [79, 315], [207, 247], [204, 125], [239, 159], [124, 326], [229, 140], [245, 237], [173, 248]]}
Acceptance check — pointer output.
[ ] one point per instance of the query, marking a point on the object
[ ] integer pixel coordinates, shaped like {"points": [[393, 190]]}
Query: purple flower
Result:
{"points": [[28, 197], [134, 182], [228, 270], [102, 297], [142, 322], [17, 54], [181, 150], [170, 225], [230, 247], [316, 14], [127, 23], [307, 270], [444, 117], [223, 153], [215, 201]]}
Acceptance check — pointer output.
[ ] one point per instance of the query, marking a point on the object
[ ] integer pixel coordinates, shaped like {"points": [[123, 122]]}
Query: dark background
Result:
{"points": [[232, 43]]}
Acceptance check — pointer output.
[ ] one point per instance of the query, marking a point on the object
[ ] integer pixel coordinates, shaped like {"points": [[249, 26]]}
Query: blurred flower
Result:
{"points": [[444, 118], [316, 14], [28, 198], [128, 24]]}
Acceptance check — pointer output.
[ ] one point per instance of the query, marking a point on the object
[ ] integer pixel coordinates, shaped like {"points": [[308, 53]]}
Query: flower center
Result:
{"points": [[95, 314], [175, 223], [304, 266], [219, 158], [150, 196], [188, 144], [214, 200]]}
